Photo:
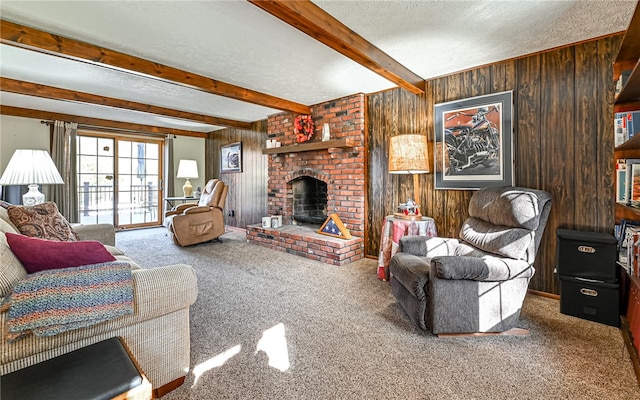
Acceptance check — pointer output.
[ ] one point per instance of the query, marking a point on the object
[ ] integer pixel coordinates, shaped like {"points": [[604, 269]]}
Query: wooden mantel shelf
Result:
{"points": [[295, 148]]}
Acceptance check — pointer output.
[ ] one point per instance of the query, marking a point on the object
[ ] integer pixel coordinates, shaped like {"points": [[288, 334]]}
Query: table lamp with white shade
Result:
{"points": [[187, 169], [33, 168]]}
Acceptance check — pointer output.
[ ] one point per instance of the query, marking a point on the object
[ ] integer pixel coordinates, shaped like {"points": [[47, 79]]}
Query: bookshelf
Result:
{"points": [[628, 99]]}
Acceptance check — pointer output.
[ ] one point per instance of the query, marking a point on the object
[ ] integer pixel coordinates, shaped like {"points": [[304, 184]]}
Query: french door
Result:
{"points": [[119, 180]]}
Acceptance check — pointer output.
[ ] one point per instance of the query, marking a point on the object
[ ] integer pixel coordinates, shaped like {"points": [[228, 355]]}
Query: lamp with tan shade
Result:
{"points": [[409, 154]]}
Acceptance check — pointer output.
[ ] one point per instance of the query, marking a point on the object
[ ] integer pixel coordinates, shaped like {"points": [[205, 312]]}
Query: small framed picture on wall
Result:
{"points": [[231, 158]]}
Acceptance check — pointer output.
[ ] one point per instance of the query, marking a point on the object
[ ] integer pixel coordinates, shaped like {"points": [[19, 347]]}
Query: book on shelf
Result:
{"points": [[633, 190], [621, 181], [622, 80], [626, 126], [635, 268], [633, 263], [632, 182], [621, 187], [629, 245], [622, 259], [631, 253], [620, 132]]}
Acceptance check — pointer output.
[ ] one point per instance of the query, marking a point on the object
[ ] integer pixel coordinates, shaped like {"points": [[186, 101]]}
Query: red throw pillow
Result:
{"points": [[37, 254]]}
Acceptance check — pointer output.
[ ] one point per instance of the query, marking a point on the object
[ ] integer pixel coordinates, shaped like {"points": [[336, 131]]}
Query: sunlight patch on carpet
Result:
{"points": [[214, 362], [274, 344]]}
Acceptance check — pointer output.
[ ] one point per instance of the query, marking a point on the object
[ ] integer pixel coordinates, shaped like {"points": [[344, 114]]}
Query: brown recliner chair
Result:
{"points": [[192, 223]]}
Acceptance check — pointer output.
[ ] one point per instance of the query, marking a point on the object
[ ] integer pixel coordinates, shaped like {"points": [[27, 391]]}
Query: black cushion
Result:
{"points": [[100, 371]]}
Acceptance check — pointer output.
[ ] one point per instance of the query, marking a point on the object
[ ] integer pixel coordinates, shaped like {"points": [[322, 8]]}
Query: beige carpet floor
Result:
{"points": [[270, 325]]}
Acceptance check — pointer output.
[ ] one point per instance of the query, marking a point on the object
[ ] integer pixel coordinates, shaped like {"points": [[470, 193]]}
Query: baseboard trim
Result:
{"points": [[230, 228], [164, 389], [510, 332], [544, 294]]}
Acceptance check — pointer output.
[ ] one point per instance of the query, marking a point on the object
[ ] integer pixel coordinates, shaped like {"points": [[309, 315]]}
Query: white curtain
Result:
{"points": [[63, 152], [168, 166]]}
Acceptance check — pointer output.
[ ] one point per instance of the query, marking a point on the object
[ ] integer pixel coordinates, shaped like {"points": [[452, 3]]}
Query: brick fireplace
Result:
{"points": [[309, 199], [311, 180]]}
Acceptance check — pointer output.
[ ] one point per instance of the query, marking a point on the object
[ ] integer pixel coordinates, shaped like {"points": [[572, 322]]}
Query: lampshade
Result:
{"points": [[408, 154], [187, 169], [31, 167]]}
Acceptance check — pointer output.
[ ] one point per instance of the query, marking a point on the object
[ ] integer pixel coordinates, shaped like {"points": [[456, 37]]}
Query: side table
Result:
{"points": [[103, 370], [393, 229], [170, 200]]}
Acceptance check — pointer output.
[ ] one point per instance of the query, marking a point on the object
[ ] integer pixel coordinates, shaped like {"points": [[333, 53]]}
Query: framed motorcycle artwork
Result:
{"points": [[474, 142]]}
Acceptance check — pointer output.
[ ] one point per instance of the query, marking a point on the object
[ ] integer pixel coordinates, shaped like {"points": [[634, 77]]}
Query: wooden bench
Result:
{"points": [[104, 370]]}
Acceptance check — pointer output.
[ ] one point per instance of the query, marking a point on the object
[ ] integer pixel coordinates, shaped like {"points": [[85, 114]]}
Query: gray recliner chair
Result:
{"points": [[477, 283]]}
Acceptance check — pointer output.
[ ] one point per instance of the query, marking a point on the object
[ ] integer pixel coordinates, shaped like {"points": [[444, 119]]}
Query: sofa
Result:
{"points": [[157, 332]]}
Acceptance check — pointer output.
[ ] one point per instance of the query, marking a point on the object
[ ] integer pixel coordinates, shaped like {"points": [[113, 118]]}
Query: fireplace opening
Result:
{"points": [[309, 200]]}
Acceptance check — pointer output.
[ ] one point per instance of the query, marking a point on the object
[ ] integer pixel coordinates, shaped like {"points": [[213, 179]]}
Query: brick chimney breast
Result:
{"points": [[342, 170]]}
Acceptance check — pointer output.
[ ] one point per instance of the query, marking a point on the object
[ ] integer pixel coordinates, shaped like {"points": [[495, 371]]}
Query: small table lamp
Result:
{"points": [[187, 169], [408, 154], [31, 167]]}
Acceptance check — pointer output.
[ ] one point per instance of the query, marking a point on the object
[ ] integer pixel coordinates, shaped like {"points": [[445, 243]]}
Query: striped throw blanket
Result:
{"points": [[54, 301]]}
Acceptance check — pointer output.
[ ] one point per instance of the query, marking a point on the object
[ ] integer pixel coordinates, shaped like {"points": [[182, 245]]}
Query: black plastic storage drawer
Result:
{"points": [[590, 255], [595, 301]]}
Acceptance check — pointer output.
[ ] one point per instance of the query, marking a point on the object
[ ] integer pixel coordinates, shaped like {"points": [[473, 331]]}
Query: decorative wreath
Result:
{"points": [[303, 128]]}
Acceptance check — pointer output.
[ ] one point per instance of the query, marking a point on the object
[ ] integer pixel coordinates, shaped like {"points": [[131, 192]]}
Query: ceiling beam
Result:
{"points": [[33, 39], [50, 92], [317, 23], [104, 123]]}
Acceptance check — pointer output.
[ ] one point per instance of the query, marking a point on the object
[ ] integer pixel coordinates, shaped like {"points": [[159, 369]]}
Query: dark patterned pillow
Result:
{"points": [[42, 221]]}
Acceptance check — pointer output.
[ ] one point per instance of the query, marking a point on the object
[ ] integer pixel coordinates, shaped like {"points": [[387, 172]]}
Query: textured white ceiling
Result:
{"points": [[434, 38], [231, 41], [237, 43]]}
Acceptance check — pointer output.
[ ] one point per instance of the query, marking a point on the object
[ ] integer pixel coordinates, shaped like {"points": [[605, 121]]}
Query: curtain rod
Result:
{"points": [[116, 130]]}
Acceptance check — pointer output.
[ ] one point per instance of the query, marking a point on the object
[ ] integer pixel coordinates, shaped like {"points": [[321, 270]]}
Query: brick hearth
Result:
{"points": [[342, 169], [305, 242]]}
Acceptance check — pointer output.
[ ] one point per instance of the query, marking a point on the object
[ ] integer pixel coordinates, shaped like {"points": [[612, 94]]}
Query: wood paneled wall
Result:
{"points": [[247, 195], [563, 142]]}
